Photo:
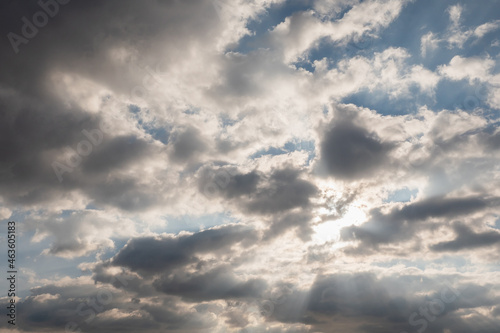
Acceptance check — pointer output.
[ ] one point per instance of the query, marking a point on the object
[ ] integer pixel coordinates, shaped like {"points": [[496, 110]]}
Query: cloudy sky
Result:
{"points": [[252, 165]]}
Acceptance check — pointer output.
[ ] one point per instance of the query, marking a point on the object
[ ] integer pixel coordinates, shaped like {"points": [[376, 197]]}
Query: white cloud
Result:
{"points": [[480, 72], [455, 13], [486, 28], [302, 31], [456, 35], [468, 68], [387, 71], [428, 43]]}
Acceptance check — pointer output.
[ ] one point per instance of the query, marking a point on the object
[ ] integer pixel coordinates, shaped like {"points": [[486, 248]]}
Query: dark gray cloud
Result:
{"points": [[466, 239], [378, 304], [62, 43], [124, 280], [227, 182], [219, 283], [299, 220], [117, 152], [35, 134], [282, 197], [386, 304], [28, 134], [126, 193], [283, 190], [166, 264], [349, 151], [242, 184], [187, 144], [153, 255], [257, 193], [359, 294], [37, 126], [400, 224], [494, 141], [52, 307]]}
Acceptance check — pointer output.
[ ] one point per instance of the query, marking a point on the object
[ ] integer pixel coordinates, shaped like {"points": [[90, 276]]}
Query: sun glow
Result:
{"points": [[330, 230]]}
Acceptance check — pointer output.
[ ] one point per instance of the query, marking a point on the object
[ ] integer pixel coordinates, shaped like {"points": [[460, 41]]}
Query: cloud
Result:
{"points": [[456, 35], [219, 283], [349, 151], [467, 239], [232, 166], [186, 144], [79, 304], [468, 68], [480, 71], [428, 43], [280, 190], [486, 28], [283, 198], [303, 30], [152, 255], [394, 301], [386, 72], [401, 223], [79, 232], [284, 191]]}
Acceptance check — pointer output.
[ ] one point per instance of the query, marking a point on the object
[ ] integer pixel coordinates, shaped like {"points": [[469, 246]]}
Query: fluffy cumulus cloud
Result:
{"points": [[251, 166]]}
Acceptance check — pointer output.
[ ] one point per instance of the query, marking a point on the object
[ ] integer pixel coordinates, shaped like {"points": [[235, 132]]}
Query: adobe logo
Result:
{"points": [[30, 29]]}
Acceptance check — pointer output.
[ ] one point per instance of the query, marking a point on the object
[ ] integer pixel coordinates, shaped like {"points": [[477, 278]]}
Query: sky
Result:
{"points": [[251, 165]]}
